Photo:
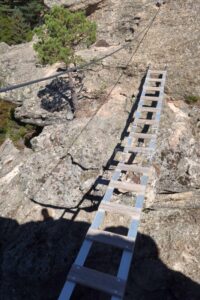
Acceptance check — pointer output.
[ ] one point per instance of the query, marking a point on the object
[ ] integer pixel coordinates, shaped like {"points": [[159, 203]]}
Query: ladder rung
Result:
{"points": [[155, 79], [143, 135], [157, 72], [145, 121], [116, 208], [139, 149], [127, 186], [133, 168], [148, 109], [110, 238], [150, 98], [153, 88], [97, 280]]}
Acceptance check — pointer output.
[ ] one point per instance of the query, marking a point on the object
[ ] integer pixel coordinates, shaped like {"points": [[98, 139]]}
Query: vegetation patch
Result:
{"points": [[18, 18], [61, 32], [192, 99], [18, 132]]}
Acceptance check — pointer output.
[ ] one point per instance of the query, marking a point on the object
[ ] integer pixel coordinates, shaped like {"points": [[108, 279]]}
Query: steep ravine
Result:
{"points": [[49, 194]]}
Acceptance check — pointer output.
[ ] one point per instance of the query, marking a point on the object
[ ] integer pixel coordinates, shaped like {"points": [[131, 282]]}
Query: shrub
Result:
{"points": [[32, 11], [61, 32], [18, 18], [14, 30], [9, 127], [192, 99]]}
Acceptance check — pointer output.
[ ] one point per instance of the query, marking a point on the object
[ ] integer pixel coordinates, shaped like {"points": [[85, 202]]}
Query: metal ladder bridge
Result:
{"points": [[144, 128]]}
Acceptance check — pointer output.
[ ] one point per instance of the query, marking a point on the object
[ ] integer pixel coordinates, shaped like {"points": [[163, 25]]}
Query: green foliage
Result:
{"points": [[13, 29], [191, 99], [18, 18], [61, 32], [33, 11], [9, 128]]}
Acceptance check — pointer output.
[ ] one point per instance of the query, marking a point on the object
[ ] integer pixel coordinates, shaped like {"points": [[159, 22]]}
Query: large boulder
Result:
{"points": [[73, 5]]}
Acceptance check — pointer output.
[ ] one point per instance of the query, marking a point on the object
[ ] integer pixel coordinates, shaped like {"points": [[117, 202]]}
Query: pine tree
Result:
{"points": [[32, 11], [61, 32], [14, 30], [18, 18]]}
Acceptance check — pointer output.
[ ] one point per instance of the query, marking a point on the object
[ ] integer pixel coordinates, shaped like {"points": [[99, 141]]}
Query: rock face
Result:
{"points": [[69, 156], [40, 104], [73, 5], [49, 194], [116, 26], [18, 64], [52, 104], [179, 158]]}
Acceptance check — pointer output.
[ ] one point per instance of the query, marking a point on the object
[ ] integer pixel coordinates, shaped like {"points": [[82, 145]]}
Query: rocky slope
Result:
{"points": [[49, 193]]}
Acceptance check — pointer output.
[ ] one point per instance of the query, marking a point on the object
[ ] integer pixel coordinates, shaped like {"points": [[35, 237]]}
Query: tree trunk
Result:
{"points": [[74, 94]]}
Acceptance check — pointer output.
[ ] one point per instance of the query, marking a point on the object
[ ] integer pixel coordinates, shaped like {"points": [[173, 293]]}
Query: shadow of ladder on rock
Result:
{"points": [[115, 285]]}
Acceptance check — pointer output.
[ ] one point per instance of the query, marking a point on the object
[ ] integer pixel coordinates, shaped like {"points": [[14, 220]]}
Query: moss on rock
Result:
{"points": [[11, 128]]}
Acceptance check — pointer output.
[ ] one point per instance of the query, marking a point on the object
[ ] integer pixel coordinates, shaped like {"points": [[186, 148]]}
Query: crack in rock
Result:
{"points": [[79, 165]]}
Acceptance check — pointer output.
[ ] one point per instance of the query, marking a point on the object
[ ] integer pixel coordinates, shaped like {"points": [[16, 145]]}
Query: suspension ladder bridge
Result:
{"points": [[140, 143]]}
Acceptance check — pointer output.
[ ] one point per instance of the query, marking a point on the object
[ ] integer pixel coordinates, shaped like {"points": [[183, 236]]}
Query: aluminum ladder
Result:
{"points": [[150, 104]]}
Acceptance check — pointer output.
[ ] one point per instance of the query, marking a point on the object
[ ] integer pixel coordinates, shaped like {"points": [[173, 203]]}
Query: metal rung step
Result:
{"points": [[145, 121], [150, 98], [139, 149], [97, 280], [120, 209], [133, 168], [153, 88], [110, 238], [127, 186], [143, 135], [155, 79], [148, 109], [157, 72]]}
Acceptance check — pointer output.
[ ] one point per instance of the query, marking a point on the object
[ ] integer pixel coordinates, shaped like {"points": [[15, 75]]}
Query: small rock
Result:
{"points": [[4, 47], [70, 115], [101, 43]]}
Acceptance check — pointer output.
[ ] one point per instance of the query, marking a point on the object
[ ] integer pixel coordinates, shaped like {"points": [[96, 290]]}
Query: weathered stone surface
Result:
{"points": [[115, 25], [69, 156], [106, 127], [4, 47], [178, 151], [18, 64], [12, 194], [41, 104], [42, 190], [74, 5], [60, 136], [66, 185]]}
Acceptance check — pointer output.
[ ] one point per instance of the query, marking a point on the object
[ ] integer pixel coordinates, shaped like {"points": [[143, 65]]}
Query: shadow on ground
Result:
{"points": [[35, 258], [56, 96]]}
